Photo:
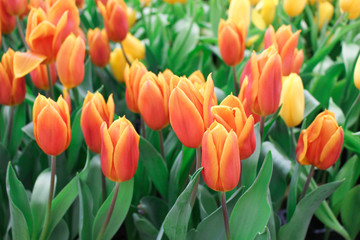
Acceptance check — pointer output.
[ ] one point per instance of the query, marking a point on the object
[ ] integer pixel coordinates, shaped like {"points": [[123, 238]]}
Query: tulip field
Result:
{"points": [[179, 119]]}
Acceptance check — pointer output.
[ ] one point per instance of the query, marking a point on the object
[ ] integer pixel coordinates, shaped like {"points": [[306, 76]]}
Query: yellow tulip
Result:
{"points": [[294, 7], [134, 47], [352, 7], [239, 12], [326, 11], [357, 74], [268, 11], [118, 63]]}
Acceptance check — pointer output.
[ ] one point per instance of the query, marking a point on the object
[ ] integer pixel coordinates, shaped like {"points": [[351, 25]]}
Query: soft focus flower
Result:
{"points": [[79, 3], [39, 76], [115, 19], [119, 150], [352, 7], [285, 42], [96, 111], [189, 110], [175, 1], [118, 64], [145, 2], [15, 7], [357, 74], [131, 16], [12, 90], [70, 61], [220, 158], [242, 97], [320, 144], [292, 100], [294, 7], [67, 98], [99, 47], [51, 124], [268, 11], [8, 22], [264, 82], [231, 114], [326, 11], [133, 47], [239, 13]]}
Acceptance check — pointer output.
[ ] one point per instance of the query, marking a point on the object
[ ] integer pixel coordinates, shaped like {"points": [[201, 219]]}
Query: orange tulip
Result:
{"points": [[12, 90], [51, 124], [39, 76], [67, 98], [15, 7], [264, 82], [189, 111], [70, 61], [320, 144], [153, 100], [220, 158], [285, 42], [197, 78], [133, 76], [231, 114], [79, 3], [8, 22], [99, 47], [119, 150], [115, 19], [243, 100]]}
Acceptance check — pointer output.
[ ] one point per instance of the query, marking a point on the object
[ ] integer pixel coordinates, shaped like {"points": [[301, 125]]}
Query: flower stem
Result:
{"points": [[161, 140], [125, 55], [198, 163], [262, 124], [225, 215], [51, 90], [111, 209], [10, 126], [21, 33], [143, 130], [51, 193], [236, 86], [306, 186]]}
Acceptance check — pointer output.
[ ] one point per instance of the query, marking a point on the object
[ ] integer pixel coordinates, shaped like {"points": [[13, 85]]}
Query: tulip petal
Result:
{"points": [[301, 148], [111, 108], [247, 139], [210, 162], [287, 53], [107, 150], [331, 150], [25, 62], [207, 104]]}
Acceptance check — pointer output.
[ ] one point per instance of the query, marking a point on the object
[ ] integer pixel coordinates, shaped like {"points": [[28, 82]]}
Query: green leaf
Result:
{"points": [[77, 139], [155, 209], [60, 232], [293, 190], [121, 208], [253, 220], [311, 104], [264, 235], [86, 217], [351, 141], [350, 209], [339, 115], [177, 220], [28, 129], [207, 202], [215, 15], [145, 228], [299, 223], [155, 166]]}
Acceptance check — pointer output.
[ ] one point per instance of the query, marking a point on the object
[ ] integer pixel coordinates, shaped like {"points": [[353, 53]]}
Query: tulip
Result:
{"points": [[243, 100], [39, 76], [99, 47], [239, 13], [79, 3], [189, 111], [253, 2], [153, 101], [320, 144], [268, 11], [95, 112], [294, 7], [118, 64], [51, 121], [285, 42], [115, 19], [133, 47], [119, 150], [8, 22], [37, 4], [67, 98], [292, 100], [258, 21], [131, 16], [15, 7], [352, 7], [145, 3], [175, 1], [220, 158], [104, 2], [197, 78], [357, 74], [70, 61], [264, 82], [133, 76], [326, 11]]}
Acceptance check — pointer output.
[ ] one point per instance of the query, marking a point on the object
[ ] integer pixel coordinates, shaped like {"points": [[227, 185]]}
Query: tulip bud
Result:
{"points": [[239, 13], [220, 158], [357, 74], [52, 128], [12, 90], [99, 47], [264, 82], [118, 64], [268, 11], [133, 47], [115, 19], [39, 76], [292, 100], [294, 7], [352, 7], [243, 100], [70, 61], [8, 22], [133, 76], [119, 150], [131, 16], [15, 7], [320, 144], [95, 112], [326, 11]]}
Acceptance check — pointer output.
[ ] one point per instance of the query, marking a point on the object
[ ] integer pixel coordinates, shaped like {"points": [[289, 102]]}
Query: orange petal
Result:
{"points": [[332, 150], [209, 92], [301, 148], [247, 139], [25, 62], [107, 150], [111, 108], [210, 162]]}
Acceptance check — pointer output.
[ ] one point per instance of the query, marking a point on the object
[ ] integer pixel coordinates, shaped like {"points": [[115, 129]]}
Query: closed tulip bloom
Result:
{"points": [[357, 74], [231, 114], [294, 7], [352, 7], [70, 61], [51, 121], [243, 100], [15, 7], [220, 158], [39, 76], [320, 144], [95, 112], [268, 11], [115, 19], [264, 82], [8, 22], [239, 13], [12, 90], [175, 1], [118, 64], [326, 11], [134, 47], [99, 47], [131, 16], [292, 100], [119, 150], [133, 76], [190, 111]]}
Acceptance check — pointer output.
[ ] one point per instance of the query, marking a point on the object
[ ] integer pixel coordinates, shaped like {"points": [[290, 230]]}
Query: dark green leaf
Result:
{"points": [[86, 217], [77, 139], [146, 230], [350, 210]]}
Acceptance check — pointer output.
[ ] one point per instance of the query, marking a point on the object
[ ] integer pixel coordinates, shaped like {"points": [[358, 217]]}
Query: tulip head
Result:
{"points": [[239, 13], [67, 98], [15, 7], [294, 7], [352, 7], [95, 112], [12, 90], [79, 3], [268, 11], [133, 47], [357, 74], [70, 61], [243, 100], [220, 158], [292, 100], [39, 76], [326, 11], [99, 47], [118, 64], [119, 150], [8, 22], [320, 144], [51, 121], [175, 1]]}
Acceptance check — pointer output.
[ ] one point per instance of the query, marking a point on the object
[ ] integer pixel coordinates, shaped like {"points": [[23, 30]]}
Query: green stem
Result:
{"points": [[308, 179], [111, 209], [161, 140], [333, 29], [225, 215], [144, 21], [21, 33], [198, 164], [236, 86], [10, 126], [51, 193], [51, 90], [351, 109], [143, 130], [262, 124], [125, 55]]}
